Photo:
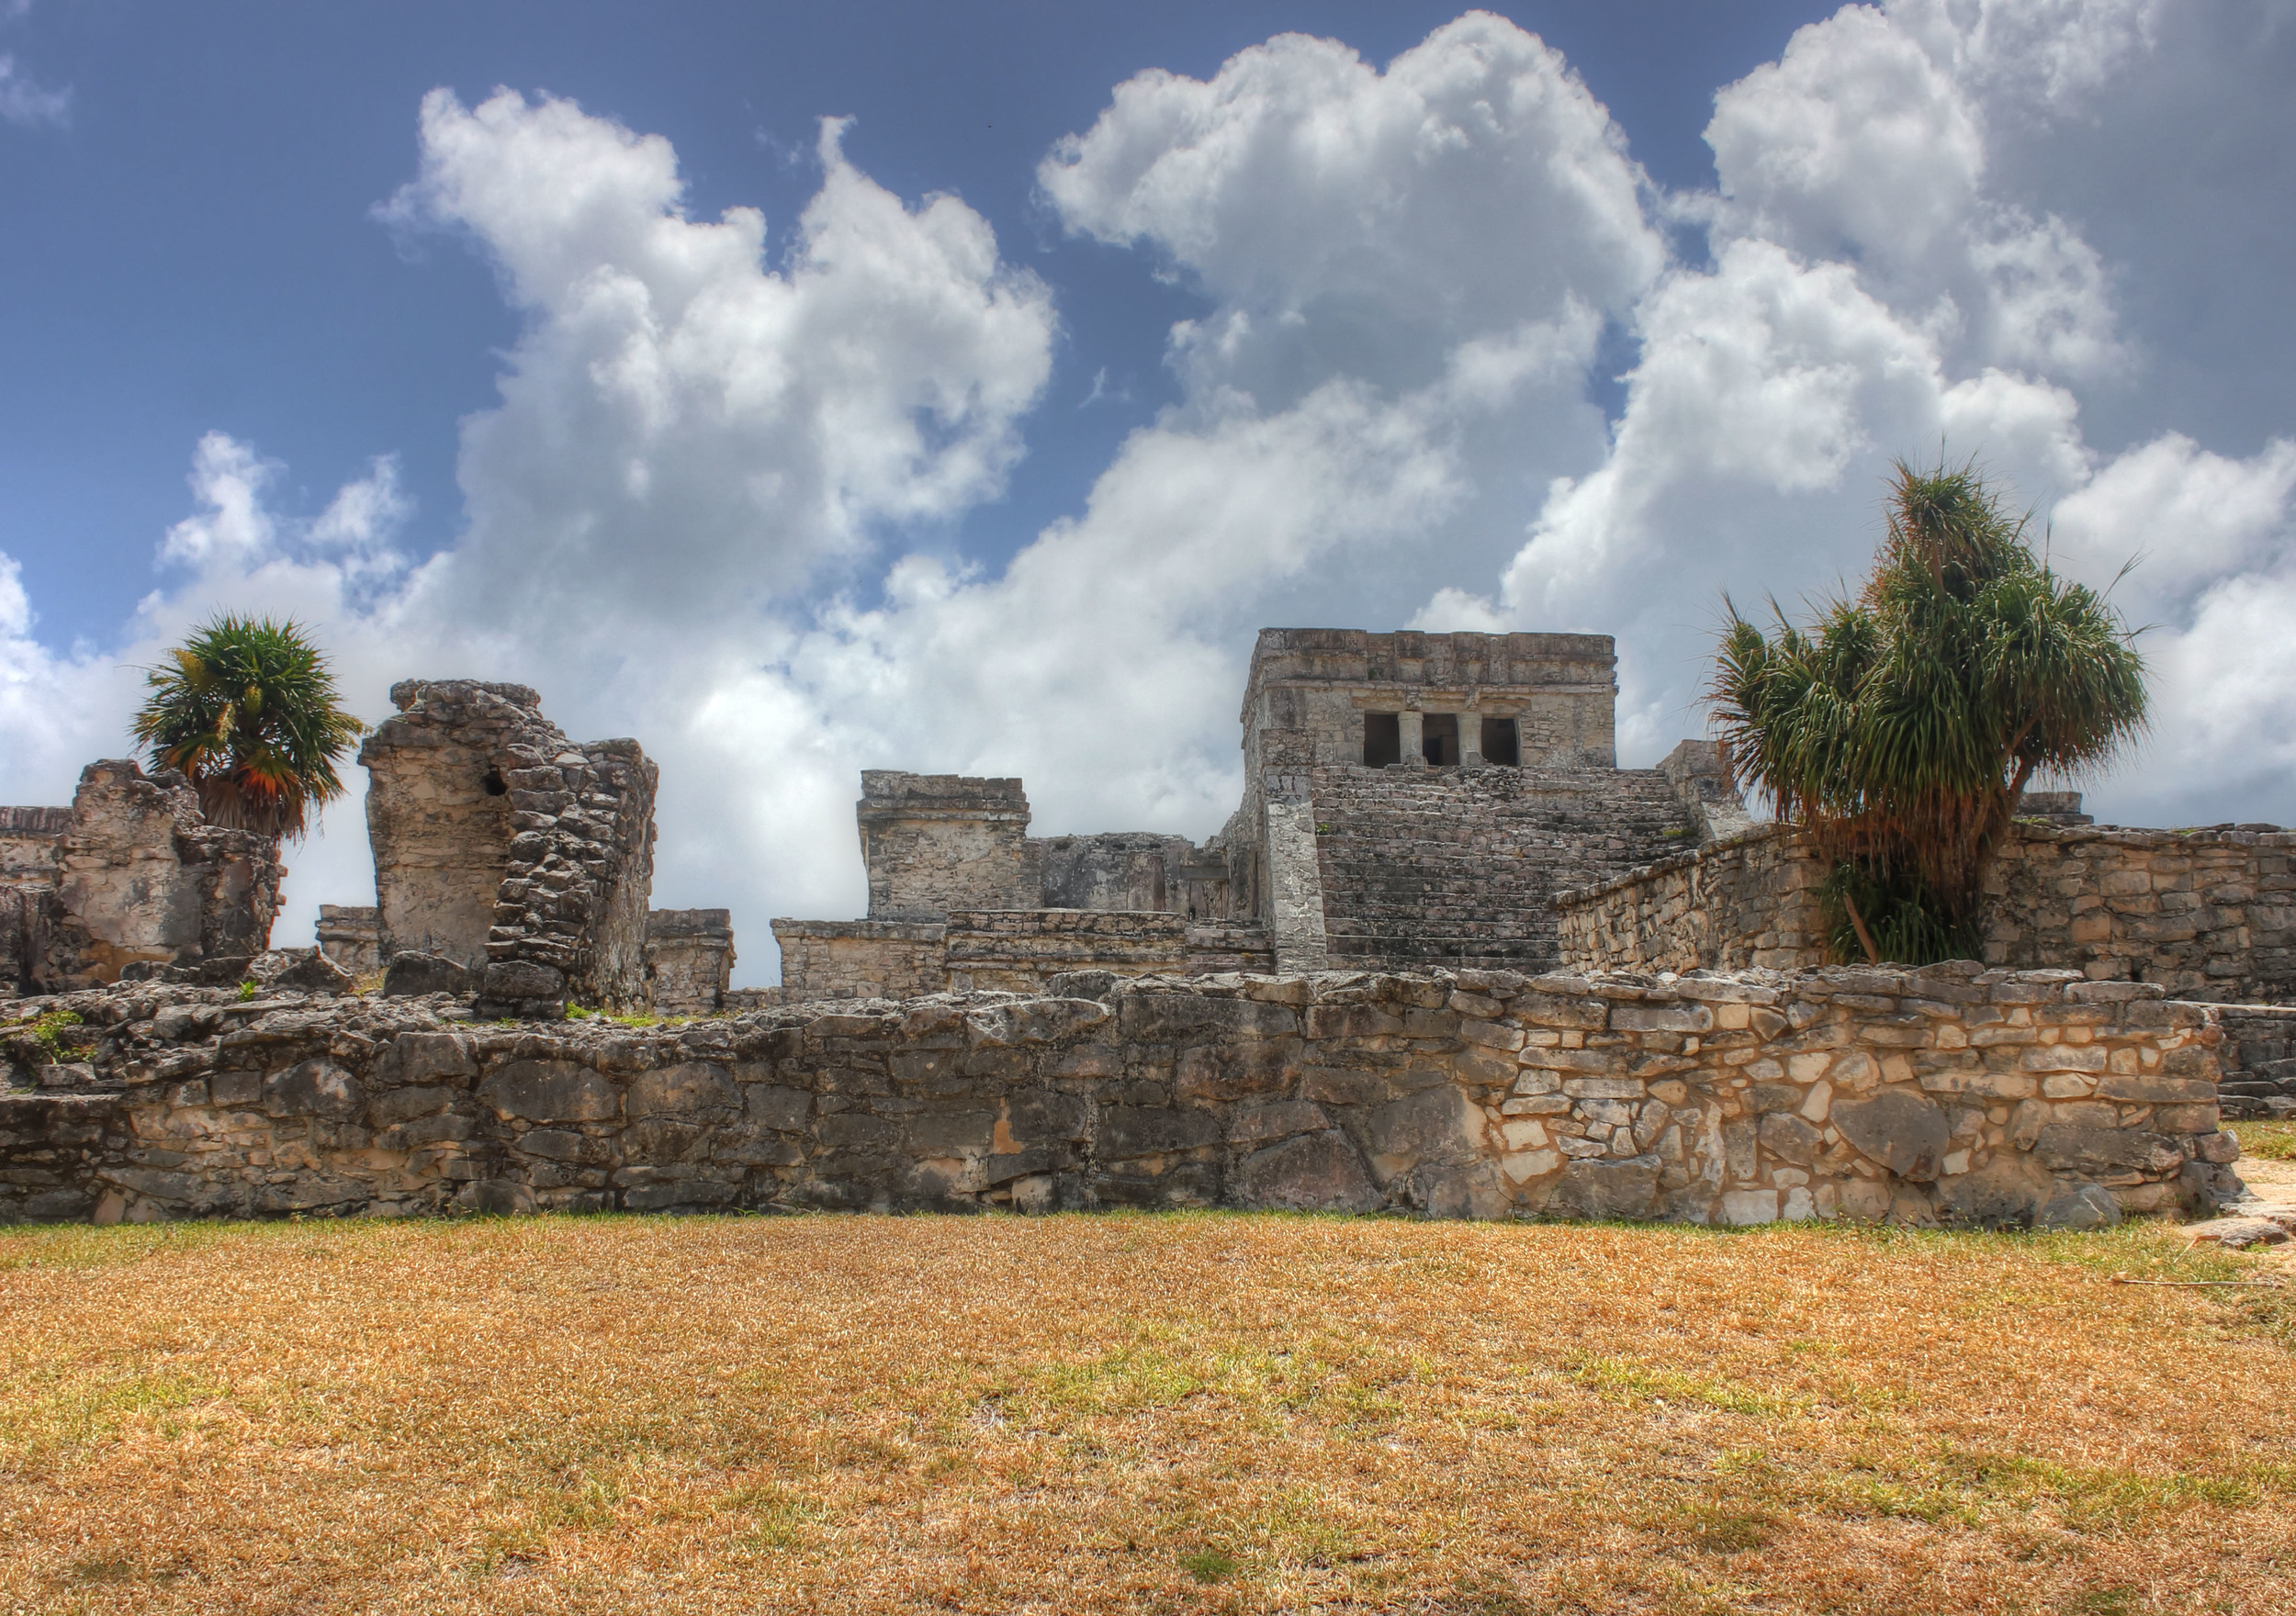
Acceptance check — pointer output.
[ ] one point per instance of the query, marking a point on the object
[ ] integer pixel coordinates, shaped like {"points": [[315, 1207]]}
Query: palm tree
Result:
{"points": [[1898, 729], [248, 712]]}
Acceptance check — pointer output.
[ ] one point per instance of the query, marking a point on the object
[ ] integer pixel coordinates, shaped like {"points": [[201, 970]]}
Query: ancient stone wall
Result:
{"points": [[1136, 871], [1019, 951], [499, 844], [352, 936], [31, 845], [937, 842], [860, 959], [1748, 901], [689, 959], [1988, 1096], [138, 879], [2207, 914], [1558, 694], [1459, 866], [2259, 1057]]}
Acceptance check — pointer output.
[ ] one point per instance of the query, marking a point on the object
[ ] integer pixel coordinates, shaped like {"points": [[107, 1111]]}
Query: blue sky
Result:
{"points": [[1564, 317], [194, 250]]}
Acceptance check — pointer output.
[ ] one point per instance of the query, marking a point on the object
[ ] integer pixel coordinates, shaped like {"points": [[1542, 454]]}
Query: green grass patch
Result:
{"points": [[2269, 1142], [1629, 1382]]}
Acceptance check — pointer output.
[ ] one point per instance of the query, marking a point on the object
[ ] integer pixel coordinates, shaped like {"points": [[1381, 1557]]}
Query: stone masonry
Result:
{"points": [[937, 842], [2207, 914], [352, 936], [505, 847], [130, 879], [1410, 800], [1955, 1094], [688, 960]]}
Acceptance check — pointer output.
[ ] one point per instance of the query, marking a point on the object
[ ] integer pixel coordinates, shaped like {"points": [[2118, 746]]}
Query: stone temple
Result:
{"points": [[1410, 800]]}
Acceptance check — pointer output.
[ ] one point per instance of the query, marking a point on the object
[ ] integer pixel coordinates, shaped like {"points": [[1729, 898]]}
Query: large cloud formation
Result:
{"points": [[709, 507]]}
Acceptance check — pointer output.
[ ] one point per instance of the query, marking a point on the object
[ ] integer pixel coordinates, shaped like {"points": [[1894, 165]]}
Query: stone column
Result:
{"points": [[1414, 740], [1296, 927], [1471, 737]]}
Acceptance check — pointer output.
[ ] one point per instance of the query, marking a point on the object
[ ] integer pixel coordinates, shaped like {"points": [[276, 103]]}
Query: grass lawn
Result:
{"points": [[1182, 1413]]}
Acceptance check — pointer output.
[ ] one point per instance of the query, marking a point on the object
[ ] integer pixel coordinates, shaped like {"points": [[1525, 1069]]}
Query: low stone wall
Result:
{"points": [[2207, 914], [1748, 901], [1985, 1096], [859, 960]]}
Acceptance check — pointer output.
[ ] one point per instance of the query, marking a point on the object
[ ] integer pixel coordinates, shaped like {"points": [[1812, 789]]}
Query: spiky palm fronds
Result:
{"points": [[248, 711], [1899, 729]]}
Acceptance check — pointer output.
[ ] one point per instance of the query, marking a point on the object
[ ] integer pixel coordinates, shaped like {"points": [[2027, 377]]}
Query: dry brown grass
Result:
{"points": [[1127, 1413]]}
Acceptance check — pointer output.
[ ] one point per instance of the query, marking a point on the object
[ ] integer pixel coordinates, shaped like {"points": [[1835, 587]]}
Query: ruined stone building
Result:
{"points": [[1410, 800], [505, 849], [129, 879], [520, 862]]}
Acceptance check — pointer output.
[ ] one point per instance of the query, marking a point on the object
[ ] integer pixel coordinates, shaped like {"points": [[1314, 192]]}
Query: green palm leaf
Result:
{"points": [[248, 713], [1898, 729]]}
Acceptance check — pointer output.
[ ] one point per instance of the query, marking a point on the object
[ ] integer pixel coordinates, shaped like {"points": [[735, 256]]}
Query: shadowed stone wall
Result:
{"points": [[1987, 1096]]}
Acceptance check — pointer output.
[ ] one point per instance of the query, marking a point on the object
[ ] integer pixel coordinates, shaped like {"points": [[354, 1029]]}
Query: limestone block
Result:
{"points": [[1312, 1173], [1899, 1129]]}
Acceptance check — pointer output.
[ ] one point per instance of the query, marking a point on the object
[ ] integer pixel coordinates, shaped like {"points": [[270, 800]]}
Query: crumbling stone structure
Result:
{"points": [[2207, 914], [352, 936], [130, 879], [505, 847], [1955, 1094], [959, 894], [1411, 799], [689, 959]]}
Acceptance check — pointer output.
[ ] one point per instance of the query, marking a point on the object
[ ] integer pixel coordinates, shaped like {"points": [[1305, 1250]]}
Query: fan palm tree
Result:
{"points": [[1898, 729], [248, 711]]}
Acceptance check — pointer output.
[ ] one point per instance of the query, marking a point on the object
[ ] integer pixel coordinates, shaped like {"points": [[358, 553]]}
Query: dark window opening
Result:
{"points": [[493, 785], [1382, 740], [1439, 738], [1501, 744]]}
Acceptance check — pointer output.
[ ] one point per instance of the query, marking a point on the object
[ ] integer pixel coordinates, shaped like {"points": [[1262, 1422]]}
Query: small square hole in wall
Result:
{"points": [[1439, 738], [1382, 740], [1501, 744]]}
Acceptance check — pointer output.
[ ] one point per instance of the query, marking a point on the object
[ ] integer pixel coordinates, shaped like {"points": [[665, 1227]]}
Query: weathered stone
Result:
{"points": [[1312, 1173], [314, 1088], [2081, 1206], [2008, 1193], [551, 1091], [1604, 1189], [1898, 1128], [1275, 1120], [693, 1085], [1790, 1138], [1130, 1131], [1437, 1124], [413, 974], [2093, 1150]]}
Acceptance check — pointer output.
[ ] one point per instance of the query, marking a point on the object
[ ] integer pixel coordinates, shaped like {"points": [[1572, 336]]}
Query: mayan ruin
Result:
{"points": [[1446, 956]]}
